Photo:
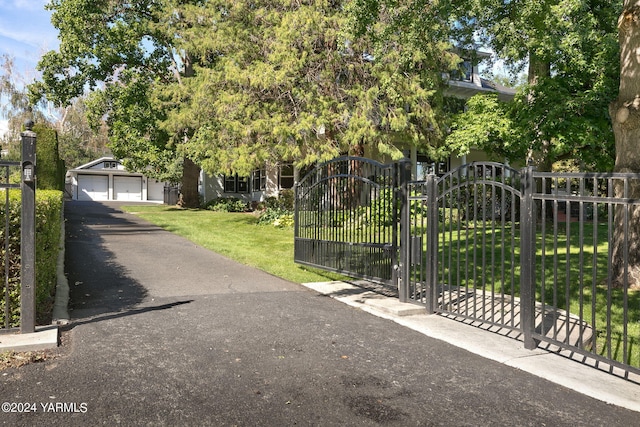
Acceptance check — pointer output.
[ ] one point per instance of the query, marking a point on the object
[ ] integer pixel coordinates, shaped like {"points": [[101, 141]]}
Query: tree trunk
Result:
{"points": [[189, 196], [540, 156], [625, 115], [538, 68]]}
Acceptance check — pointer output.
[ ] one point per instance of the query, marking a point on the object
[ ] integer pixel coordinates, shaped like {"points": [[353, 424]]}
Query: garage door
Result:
{"points": [[127, 187], [93, 187]]}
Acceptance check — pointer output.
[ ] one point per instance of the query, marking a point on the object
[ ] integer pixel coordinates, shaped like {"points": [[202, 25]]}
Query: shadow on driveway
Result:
{"points": [[98, 284]]}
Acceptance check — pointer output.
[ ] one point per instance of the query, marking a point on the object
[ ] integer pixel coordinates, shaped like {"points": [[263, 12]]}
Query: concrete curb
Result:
{"points": [[44, 338], [60, 313], [557, 368]]}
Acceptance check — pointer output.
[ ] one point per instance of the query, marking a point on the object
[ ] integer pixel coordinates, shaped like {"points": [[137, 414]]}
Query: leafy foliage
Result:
{"points": [[232, 86], [571, 50], [227, 204], [278, 217], [50, 169], [48, 225], [122, 51], [135, 126], [78, 142], [286, 81], [15, 106], [278, 211], [485, 125]]}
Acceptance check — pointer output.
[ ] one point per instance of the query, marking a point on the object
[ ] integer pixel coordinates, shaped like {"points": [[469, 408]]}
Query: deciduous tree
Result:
{"points": [[625, 111], [123, 50], [570, 50], [14, 105]]}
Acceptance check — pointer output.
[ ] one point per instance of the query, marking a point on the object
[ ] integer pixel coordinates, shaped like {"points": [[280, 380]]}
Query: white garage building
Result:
{"points": [[106, 179]]}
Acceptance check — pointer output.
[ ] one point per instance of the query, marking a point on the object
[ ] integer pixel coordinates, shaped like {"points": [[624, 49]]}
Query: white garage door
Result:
{"points": [[127, 187], [93, 187]]}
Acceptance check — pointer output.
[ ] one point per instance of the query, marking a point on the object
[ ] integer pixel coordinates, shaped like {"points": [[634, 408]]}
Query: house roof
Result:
{"points": [[90, 169], [95, 162], [465, 89]]}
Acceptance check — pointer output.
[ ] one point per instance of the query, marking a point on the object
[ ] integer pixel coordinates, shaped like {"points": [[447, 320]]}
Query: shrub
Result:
{"points": [[277, 217], [277, 211], [48, 223], [284, 201], [227, 204], [50, 169]]}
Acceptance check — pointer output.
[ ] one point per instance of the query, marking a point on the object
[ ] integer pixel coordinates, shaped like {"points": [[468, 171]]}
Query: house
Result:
{"points": [[265, 182], [107, 179], [464, 83]]}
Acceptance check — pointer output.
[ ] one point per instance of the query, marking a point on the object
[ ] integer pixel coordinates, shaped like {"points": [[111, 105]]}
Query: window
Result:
{"points": [[259, 180], [488, 171], [285, 176], [426, 166], [464, 72], [236, 184]]}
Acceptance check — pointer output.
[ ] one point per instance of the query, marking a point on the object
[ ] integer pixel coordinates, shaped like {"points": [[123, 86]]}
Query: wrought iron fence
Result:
{"points": [[553, 258], [588, 232], [464, 231], [10, 247]]}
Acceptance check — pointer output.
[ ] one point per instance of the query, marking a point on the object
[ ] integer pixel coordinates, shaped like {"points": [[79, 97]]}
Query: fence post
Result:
{"points": [[401, 270], [432, 243], [296, 219], [527, 259], [28, 232]]}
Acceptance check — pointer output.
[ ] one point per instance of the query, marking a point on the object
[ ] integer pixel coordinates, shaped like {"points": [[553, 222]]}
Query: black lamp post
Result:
{"points": [[28, 231]]}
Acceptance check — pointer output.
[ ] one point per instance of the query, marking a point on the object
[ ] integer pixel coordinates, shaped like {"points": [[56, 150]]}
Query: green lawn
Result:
{"points": [[571, 275], [237, 236]]}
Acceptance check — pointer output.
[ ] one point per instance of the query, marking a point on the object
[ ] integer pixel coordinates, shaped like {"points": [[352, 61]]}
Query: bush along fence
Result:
{"points": [[48, 223], [29, 270], [551, 259]]}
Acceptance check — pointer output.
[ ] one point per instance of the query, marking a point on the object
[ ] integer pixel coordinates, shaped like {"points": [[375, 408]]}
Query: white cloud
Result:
{"points": [[25, 36]]}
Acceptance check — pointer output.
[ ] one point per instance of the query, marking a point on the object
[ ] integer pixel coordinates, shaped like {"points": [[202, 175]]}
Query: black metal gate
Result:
{"points": [[463, 231], [347, 218], [518, 250]]}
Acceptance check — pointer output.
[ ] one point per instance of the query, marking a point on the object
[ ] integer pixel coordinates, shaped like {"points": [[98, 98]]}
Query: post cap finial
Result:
{"points": [[28, 124]]}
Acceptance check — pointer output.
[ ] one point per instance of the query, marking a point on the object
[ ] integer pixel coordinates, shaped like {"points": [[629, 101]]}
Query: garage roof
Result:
{"points": [[102, 165]]}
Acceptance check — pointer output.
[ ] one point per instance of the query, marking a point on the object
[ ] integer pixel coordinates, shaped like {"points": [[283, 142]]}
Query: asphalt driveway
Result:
{"points": [[164, 332]]}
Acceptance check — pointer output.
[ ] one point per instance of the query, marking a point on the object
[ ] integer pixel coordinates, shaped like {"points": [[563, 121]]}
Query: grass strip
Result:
{"points": [[237, 236]]}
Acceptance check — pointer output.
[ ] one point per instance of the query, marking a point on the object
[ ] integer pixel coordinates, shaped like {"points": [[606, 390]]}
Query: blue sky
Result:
{"points": [[26, 33]]}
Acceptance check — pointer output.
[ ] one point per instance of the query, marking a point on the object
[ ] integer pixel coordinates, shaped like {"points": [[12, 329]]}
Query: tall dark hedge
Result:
{"points": [[50, 169]]}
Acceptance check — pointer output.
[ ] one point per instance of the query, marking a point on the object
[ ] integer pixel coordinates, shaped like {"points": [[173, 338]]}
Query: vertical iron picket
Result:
{"points": [[342, 220]]}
